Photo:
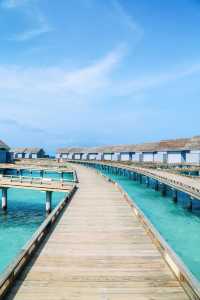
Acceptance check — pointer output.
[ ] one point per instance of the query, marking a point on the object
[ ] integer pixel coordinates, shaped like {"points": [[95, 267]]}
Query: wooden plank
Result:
{"points": [[98, 250], [41, 185]]}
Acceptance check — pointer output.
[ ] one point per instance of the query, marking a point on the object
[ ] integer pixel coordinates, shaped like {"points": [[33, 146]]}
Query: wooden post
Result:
{"points": [[156, 185], [4, 198], [189, 207], [174, 195], [163, 190], [48, 201], [147, 181]]}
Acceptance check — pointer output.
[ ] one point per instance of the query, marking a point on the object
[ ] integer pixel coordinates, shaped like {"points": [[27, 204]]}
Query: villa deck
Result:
{"points": [[98, 250]]}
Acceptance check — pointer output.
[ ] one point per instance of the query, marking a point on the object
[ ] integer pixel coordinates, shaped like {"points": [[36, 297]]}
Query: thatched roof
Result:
{"points": [[4, 146], [193, 143], [65, 150], [33, 150], [164, 145], [167, 145]]}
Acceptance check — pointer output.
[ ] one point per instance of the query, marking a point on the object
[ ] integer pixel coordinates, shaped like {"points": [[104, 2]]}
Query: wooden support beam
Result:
{"points": [[48, 201], [163, 190], [174, 195], [156, 185], [4, 198]]}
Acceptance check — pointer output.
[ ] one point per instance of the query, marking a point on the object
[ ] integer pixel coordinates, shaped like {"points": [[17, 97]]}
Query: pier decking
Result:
{"points": [[187, 185], [99, 251], [35, 184]]}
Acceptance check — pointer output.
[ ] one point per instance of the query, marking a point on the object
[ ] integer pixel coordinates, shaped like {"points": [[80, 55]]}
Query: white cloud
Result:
{"points": [[11, 4], [41, 27], [38, 23], [152, 81], [83, 84], [57, 80], [53, 98], [126, 18]]}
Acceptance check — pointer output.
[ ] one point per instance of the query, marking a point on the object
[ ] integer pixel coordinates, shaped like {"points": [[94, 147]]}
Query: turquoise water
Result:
{"points": [[178, 226], [190, 173], [25, 213], [46, 174]]}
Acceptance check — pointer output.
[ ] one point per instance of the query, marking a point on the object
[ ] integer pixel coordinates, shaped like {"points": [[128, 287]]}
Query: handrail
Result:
{"points": [[15, 177], [30, 180], [185, 277], [192, 191], [15, 268]]}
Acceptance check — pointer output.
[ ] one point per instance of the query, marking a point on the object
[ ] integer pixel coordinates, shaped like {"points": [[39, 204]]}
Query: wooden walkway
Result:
{"points": [[98, 251], [35, 184], [188, 185]]}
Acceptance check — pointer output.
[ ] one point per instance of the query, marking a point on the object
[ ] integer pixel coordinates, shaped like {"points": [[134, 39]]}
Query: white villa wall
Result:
{"points": [[64, 155], [92, 156], [99, 156], [116, 156], [174, 157], [193, 157], [70, 155], [148, 157], [77, 156], [160, 156], [125, 156], [136, 156], [85, 156], [107, 156]]}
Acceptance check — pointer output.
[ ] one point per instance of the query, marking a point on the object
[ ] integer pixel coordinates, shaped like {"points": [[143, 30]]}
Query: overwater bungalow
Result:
{"points": [[76, 153], [124, 152], [4, 152], [173, 151], [93, 154], [27, 152], [137, 156], [145, 152], [70, 153], [193, 150], [185, 150]]}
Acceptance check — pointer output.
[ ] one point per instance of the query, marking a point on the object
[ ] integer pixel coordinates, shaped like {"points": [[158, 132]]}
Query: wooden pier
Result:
{"points": [[40, 184], [187, 185], [99, 250], [59, 168]]}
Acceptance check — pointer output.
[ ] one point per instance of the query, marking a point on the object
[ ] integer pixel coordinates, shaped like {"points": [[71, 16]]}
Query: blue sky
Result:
{"points": [[96, 72]]}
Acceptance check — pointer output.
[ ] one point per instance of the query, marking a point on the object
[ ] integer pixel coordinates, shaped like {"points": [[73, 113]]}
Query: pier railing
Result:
{"points": [[37, 179], [190, 189], [15, 269], [185, 277], [35, 183]]}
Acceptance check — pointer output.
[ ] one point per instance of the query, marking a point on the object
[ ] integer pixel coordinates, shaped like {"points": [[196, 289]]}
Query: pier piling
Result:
{"points": [[48, 201], [156, 185], [163, 190], [4, 198], [174, 195]]}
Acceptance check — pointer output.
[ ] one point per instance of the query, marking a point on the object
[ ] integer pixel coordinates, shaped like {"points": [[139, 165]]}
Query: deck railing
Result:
{"points": [[25, 181], [13, 271], [177, 184], [185, 277]]}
